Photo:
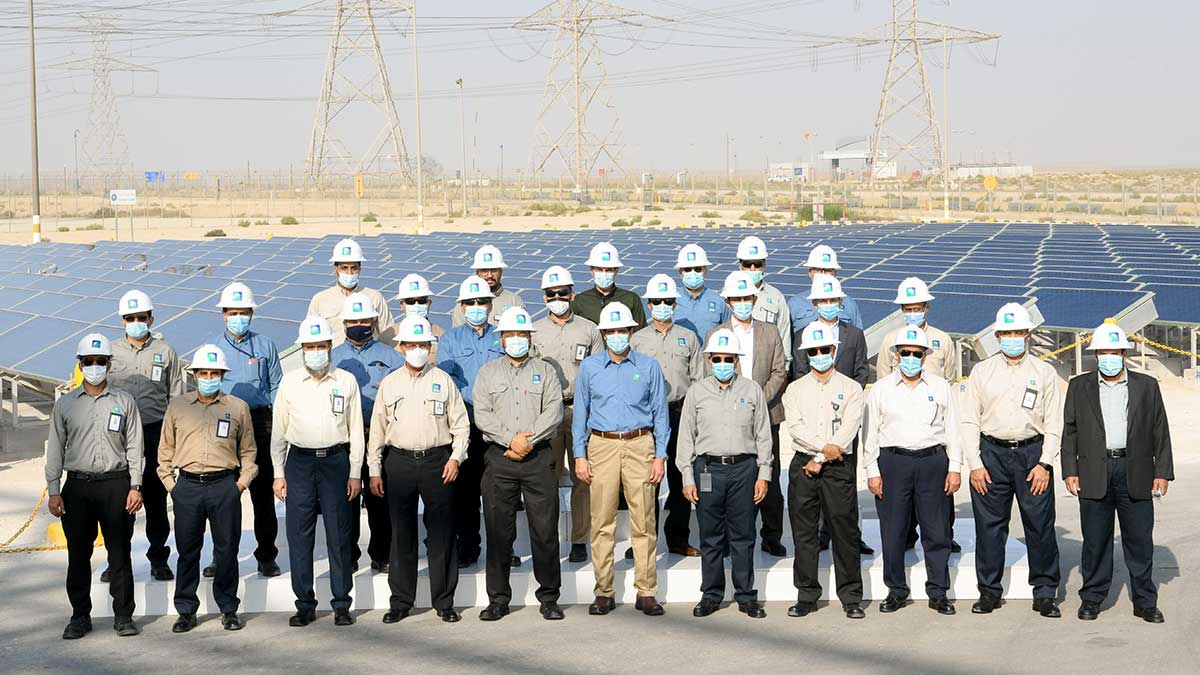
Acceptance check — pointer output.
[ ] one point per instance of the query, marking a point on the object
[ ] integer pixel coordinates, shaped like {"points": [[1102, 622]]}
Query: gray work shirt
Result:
{"points": [[503, 300], [566, 346], [1114, 408], [94, 434], [512, 399], [677, 351], [724, 421], [153, 374]]}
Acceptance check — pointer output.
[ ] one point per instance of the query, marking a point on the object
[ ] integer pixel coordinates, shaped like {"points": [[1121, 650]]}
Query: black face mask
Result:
{"points": [[358, 333]]}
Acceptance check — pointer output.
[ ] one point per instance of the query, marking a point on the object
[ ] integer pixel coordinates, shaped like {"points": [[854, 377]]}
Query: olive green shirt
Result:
{"points": [[590, 303], [151, 373]]}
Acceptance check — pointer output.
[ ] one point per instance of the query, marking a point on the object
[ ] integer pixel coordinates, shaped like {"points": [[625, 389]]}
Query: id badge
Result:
{"points": [[339, 405], [114, 421], [156, 374], [439, 408], [1029, 399], [222, 428], [837, 424], [706, 482], [770, 316], [580, 352]]}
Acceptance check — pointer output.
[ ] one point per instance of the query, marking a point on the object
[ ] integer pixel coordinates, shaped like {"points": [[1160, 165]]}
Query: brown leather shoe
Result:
{"points": [[601, 606], [687, 551], [648, 605]]}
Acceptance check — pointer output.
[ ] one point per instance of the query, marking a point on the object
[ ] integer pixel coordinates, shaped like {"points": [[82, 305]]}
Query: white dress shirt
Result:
{"points": [[745, 336], [912, 417]]}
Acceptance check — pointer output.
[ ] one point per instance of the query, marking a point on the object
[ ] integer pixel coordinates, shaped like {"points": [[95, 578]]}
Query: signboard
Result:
{"points": [[155, 176], [989, 183], [122, 197], [191, 175], [358, 186]]}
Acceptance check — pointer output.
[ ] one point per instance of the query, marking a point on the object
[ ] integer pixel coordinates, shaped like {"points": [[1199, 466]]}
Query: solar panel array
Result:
{"points": [[51, 294]]}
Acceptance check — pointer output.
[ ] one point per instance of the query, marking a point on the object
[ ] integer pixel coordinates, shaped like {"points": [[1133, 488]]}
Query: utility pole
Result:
{"points": [[420, 159], [76, 160], [33, 132], [462, 125], [500, 178]]}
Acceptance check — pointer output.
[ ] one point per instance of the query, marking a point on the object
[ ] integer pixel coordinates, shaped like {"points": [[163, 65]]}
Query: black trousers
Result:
{"points": [[919, 481], [379, 542], [406, 480], [677, 524], [726, 518], [832, 495], [772, 507], [1137, 540], [466, 497], [262, 492], [505, 483], [318, 485], [218, 505], [1008, 468], [89, 504], [154, 499], [823, 529]]}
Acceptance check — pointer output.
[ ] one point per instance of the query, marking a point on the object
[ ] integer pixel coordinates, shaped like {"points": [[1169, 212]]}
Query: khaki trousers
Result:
{"points": [[581, 510], [616, 466]]}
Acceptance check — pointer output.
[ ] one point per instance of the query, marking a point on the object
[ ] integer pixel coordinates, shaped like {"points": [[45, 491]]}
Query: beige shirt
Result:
{"points": [[152, 373], [312, 413], [1013, 403], [503, 300], [566, 346], [817, 413], [417, 412], [511, 399], [328, 303], [943, 358], [200, 437], [677, 351], [911, 417], [94, 434]]}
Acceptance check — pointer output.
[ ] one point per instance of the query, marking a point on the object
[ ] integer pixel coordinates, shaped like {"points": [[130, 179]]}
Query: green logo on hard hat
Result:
{"points": [[314, 329], [95, 344], [911, 291], [662, 287], [818, 335], [754, 250], [357, 308], [606, 256], [474, 287], [212, 357], [741, 284], [419, 330], [722, 341], [1008, 317], [828, 287], [487, 257], [825, 257], [912, 335], [614, 315], [132, 304], [521, 319], [554, 276], [237, 296], [345, 250], [414, 285], [691, 255], [1114, 336]]}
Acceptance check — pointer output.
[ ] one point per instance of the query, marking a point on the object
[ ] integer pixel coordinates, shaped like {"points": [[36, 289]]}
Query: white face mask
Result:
{"points": [[94, 375], [416, 357], [558, 307], [316, 360]]}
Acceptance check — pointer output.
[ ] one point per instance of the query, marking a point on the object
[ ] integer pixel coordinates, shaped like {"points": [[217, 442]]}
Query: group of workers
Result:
{"points": [[704, 389]]}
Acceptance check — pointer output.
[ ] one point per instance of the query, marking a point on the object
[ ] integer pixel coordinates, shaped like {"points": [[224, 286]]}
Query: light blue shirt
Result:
{"points": [[701, 313], [254, 370], [462, 352], [803, 312], [1114, 408], [369, 364], [625, 396]]}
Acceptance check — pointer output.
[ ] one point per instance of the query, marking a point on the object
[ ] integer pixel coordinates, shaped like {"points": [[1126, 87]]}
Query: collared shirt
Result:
{"points": [[678, 353], [94, 434], [591, 302], [511, 399], [462, 352], [369, 364], [724, 421], [200, 437], [625, 396], [1012, 403], [771, 306], [503, 300], [803, 312], [312, 413], [1114, 408], [818, 413], [328, 305], [254, 370], [701, 313], [566, 346], [152, 373], [942, 358], [418, 412], [911, 417], [745, 336]]}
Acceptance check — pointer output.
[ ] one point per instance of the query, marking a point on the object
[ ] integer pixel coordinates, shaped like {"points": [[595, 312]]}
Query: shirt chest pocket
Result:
{"points": [[394, 408], [435, 404], [933, 409], [226, 430], [741, 413]]}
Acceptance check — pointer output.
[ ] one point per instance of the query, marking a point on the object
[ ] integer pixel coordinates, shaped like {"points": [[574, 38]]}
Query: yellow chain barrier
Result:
{"points": [[1166, 348], [4, 548]]}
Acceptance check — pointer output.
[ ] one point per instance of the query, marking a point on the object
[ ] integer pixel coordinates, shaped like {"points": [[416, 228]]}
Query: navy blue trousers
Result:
{"points": [[1137, 540], [920, 481], [726, 517], [217, 505], [318, 485]]}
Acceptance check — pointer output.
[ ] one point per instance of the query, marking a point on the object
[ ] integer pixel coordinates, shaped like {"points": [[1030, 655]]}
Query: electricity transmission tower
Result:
{"points": [[356, 74]]}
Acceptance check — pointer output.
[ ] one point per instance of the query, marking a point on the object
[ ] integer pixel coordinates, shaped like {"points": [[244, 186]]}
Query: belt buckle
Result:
{"points": [[323, 452]]}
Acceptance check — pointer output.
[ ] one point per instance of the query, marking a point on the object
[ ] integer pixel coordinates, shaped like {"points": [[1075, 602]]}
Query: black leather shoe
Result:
{"points": [[892, 603], [705, 608], [863, 549], [449, 615], [629, 553], [302, 618], [514, 561], [105, 576], [342, 617], [754, 610], [955, 547], [77, 628], [380, 566], [942, 606], [1047, 608], [802, 609], [396, 615], [493, 612], [601, 606], [1149, 614], [988, 603], [161, 573], [552, 612], [269, 569], [687, 551], [231, 621], [184, 623], [125, 626], [578, 553], [648, 605], [209, 571], [1089, 611], [854, 612], [774, 548]]}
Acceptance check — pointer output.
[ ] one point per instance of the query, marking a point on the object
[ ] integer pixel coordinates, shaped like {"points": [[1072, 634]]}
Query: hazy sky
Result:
{"points": [[1093, 82]]}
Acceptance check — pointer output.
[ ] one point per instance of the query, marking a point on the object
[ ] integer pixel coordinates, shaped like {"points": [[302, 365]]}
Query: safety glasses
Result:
{"points": [[723, 359], [561, 293], [820, 350], [661, 301]]}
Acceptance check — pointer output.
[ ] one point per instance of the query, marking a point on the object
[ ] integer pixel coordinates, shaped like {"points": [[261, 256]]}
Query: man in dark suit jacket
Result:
{"points": [[850, 359], [1116, 456]]}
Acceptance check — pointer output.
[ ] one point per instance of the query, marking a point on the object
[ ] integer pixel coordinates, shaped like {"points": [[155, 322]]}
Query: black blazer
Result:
{"points": [[1148, 439], [851, 357]]}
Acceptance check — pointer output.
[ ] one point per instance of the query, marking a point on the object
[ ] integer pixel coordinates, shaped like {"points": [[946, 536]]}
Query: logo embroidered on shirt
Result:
{"points": [[637, 376], [937, 344], [931, 398], [158, 358], [537, 379], [682, 342], [437, 388], [712, 306]]}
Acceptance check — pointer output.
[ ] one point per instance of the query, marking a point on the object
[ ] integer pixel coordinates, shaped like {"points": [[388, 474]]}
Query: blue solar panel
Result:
{"points": [[1082, 309], [1175, 303]]}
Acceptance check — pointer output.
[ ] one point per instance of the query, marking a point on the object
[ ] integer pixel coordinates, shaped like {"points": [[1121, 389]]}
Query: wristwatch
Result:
{"points": [[136, 487], [1046, 466]]}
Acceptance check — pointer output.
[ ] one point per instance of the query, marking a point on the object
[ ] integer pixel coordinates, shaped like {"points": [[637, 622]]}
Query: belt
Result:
{"points": [[1115, 454], [621, 435], [727, 459], [208, 476], [417, 454], [922, 452], [568, 400], [94, 477], [1012, 445], [322, 452]]}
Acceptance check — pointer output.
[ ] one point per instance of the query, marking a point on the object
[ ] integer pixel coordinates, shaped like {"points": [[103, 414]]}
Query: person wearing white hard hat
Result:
{"points": [[823, 412], [489, 266], [564, 339], [1012, 421], [1117, 459], [347, 260], [317, 446], [851, 358], [620, 434], [518, 407], [96, 438], [206, 461], [419, 435], [147, 367], [698, 309], [770, 305], [914, 300], [678, 352], [605, 264], [724, 459], [762, 360], [822, 260], [417, 300], [913, 454], [369, 361]]}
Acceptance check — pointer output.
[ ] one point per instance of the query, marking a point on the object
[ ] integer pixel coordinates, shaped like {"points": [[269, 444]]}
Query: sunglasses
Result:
{"points": [[723, 359], [691, 269], [753, 264], [93, 361], [475, 302], [661, 301], [820, 350], [415, 301], [912, 352], [130, 318], [564, 293]]}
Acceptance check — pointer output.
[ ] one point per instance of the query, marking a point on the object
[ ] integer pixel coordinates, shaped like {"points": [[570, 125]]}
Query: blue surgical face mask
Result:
{"points": [[723, 371], [743, 310], [516, 347], [1012, 346], [1110, 364], [821, 362], [348, 280], [756, 276], [208, 387], [238, 325], [662, 312], [617, 342], [910, 365], [828, 312], [476, 315], [604, 280], [137, 330], [693, 280], [914, 318], [416, 310]]}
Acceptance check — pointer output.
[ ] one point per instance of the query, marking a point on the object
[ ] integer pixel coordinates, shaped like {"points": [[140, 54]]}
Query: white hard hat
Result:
{"points": [[825, 287], [816, 335], [616, 315], [822, 257], [752, 248], [414, 329], [358, 306], [1012, 316], [209, 357], [134, 302], [515, 319], [94, 344], [473, 287], [912, 291], [347, 250], [414, 286], [739, 285], [603, 254], [692, 256], [912, 336], [488, 257], [314, 329], [1109, 336], [236, 296], [660, 286], [724, 341], [556, 276]]}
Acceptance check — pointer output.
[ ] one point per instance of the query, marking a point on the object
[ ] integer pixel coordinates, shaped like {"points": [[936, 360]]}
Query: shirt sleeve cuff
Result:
{"points": [[54, 487], [689, 478], [955, 466], [764, 473], [873, 470], [375, 469], [169, 483]]}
